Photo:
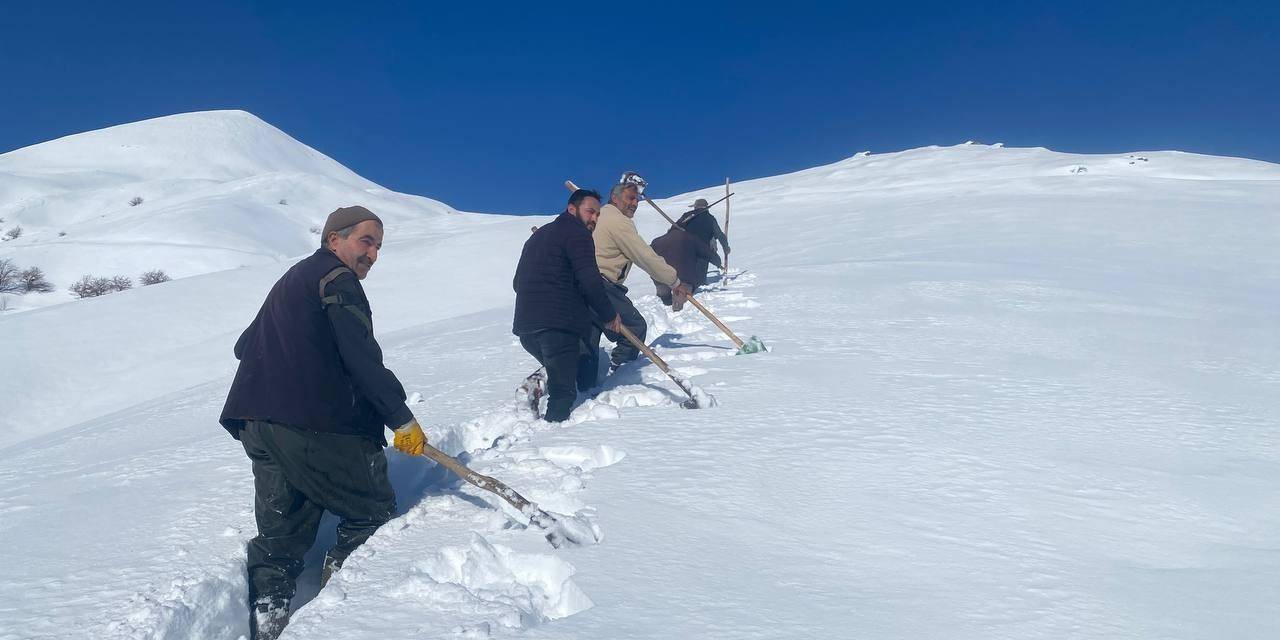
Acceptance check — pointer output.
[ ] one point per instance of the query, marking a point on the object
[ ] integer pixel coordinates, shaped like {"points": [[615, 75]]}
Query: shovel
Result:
{"points": [[559, 532], [752, 345]]}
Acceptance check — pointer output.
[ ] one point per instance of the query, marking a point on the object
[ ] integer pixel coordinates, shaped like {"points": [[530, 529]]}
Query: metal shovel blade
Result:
{"points": [[752, 345], [565, 531]]}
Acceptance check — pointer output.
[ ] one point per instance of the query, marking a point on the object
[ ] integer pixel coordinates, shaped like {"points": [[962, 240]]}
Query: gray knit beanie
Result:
{"points": [[343, 218]]}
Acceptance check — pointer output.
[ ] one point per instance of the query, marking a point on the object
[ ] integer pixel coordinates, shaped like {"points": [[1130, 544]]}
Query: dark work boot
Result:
{"points": [[268, 618]]}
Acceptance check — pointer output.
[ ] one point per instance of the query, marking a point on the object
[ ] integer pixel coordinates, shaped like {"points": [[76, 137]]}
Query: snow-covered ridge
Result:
{"points": [[189, 194], [1004, 399], [207, 145], [970, 162]]}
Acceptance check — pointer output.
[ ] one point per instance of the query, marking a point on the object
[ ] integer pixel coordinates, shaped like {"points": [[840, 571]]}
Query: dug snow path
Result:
{"points": [[456, 560]]}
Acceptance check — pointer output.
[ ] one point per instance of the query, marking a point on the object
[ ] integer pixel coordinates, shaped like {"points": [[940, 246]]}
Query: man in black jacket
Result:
{"points": [[309, 403], [559, 295], [706, 228]]}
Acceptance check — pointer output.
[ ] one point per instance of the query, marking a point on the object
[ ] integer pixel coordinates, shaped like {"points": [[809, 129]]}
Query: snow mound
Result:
{"points": [[966, 169], [208, 145], [188, 194]]}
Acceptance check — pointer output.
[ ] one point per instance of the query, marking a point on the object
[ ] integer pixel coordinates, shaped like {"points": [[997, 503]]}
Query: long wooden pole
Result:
{"points": [[674, 224], [664, 213], [725, 270], [530, 510], [644, 348], [712, 317]]}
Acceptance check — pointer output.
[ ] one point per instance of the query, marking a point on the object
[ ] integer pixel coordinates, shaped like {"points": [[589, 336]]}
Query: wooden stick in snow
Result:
{"points": [[726, 227]]}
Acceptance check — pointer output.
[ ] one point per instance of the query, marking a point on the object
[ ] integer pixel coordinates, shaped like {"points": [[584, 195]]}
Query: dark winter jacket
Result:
{"points": [[557, 280], [689, 255], [704, 226], [310, 360]]}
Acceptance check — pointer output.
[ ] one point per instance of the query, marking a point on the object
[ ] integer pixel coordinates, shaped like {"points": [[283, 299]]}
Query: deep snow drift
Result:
{"points": [[1006, 398]]}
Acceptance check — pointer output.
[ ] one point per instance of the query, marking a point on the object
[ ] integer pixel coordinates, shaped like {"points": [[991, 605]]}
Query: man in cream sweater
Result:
{"points": [[618, 246]]}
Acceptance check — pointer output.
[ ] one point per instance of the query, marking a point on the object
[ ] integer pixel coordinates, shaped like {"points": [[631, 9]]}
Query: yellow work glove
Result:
{"points": [[410, 439]]}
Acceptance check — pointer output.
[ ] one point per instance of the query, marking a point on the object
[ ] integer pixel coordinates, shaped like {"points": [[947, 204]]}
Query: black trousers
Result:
{"points": [[297, 476], [558, 351], [623, 351]]}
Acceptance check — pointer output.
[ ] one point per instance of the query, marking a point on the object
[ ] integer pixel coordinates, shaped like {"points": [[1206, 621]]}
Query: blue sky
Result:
{"points": [[489, 107]]}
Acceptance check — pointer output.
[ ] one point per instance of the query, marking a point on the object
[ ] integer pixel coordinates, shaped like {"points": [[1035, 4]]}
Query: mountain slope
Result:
{"points": [[218, 190], [1003, 401]]}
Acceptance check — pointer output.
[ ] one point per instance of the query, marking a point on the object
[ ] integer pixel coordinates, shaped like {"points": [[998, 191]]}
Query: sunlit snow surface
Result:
{"points": [[1004, 399]]}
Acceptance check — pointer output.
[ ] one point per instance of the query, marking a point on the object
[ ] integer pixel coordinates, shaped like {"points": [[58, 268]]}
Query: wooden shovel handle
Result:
{"points": [[644, 348], [487, 483], [659, 210], [725, 270]]}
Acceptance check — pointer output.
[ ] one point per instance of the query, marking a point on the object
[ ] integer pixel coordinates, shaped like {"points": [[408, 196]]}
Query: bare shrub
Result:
{"points": [[90, 287], [120, 283], [155, 276], [33, 281], [10, 278]]}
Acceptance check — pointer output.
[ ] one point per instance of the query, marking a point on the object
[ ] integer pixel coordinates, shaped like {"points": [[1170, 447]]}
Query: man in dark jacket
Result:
{"points": [[309, 403], [706, 228], [559, 294], [689, 255]]}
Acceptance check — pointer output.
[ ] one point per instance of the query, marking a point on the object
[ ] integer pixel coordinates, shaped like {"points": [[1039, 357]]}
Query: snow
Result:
{"points": [[1001, 400], [219, 190]]}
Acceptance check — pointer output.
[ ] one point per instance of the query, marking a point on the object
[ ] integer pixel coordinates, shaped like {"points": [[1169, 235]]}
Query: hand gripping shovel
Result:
{"points": [[692, 402], [570, 530], [752, 345]]}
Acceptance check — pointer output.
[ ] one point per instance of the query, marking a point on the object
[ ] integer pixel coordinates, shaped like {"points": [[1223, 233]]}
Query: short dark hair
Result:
{"points": [[582, 194]]}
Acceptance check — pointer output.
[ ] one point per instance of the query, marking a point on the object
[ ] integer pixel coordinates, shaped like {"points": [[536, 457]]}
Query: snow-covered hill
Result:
{"points": [[1006, 398], [218, 190]]}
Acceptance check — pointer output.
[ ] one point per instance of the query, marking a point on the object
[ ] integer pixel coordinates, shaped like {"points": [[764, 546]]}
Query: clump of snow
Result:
{"points": [[532, 585]]}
